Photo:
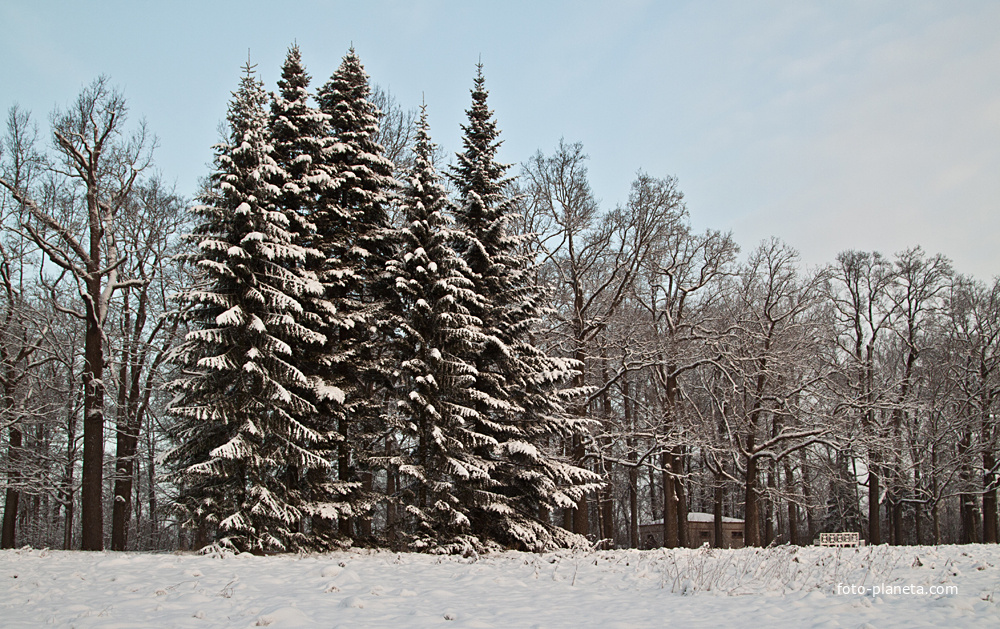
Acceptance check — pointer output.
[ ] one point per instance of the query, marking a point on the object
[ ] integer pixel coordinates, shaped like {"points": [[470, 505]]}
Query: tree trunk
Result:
{"points": [[343, 474], [131, 408], [633, 470], [680, 497], [936, 516], [13, 495], [874, 525], [670, 536], [127, 446], [581, 516], [608, 516], [751, 497], [990, 524], [807, 498], [390, 494], [967, 502], [91, 495], [607, 494], [633, 504], [720, 540], [751, 509], [654, 493], [602, 523], [793, 511], [918, 527], [968, 515], [897, 522], [154, 526], [769, 506], [67, 488], [567, 513]]}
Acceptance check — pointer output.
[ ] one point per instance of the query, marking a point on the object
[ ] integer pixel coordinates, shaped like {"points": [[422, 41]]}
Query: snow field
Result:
{"points": [[774, 588]]}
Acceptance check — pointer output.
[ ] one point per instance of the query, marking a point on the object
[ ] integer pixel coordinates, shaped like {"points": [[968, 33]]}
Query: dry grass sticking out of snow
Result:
{"points": [[880, 586]]}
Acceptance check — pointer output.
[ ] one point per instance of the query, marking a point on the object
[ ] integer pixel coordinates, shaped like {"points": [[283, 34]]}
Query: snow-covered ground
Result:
{"points": [[946, 586]]}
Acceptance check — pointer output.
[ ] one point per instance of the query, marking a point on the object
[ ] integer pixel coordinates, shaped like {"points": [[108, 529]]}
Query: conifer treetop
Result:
{"points": [[479, 179], [345, 97], [300, 138], [355, 154]]}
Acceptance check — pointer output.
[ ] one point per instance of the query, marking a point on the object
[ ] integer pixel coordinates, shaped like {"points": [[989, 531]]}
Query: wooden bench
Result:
{"points": [[850, 539]]}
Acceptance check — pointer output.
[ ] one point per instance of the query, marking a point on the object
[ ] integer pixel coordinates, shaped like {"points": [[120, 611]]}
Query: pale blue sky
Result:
{"points": [[833, 125]]}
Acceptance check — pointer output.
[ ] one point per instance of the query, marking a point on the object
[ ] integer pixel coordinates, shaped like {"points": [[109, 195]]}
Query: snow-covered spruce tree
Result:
{"points": [[435, 341], [526, 389], [302, 141], [352, 233], [239, 396]]}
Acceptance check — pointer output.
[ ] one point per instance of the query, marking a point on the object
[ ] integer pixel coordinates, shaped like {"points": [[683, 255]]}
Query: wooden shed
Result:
{"points": [[701, 529]]}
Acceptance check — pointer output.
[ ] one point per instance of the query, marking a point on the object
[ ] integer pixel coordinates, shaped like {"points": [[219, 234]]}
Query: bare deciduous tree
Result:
{"points": [[859, 292], [397, 130], [96, 166], [591, 259], [21, 331], [150, 223], [770, 338]]}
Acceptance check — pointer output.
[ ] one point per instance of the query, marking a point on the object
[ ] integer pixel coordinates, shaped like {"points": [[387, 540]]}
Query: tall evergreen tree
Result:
{"points": [[239, 397], [527, 479], [307, 188], [435, 340], [352, 232]]}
